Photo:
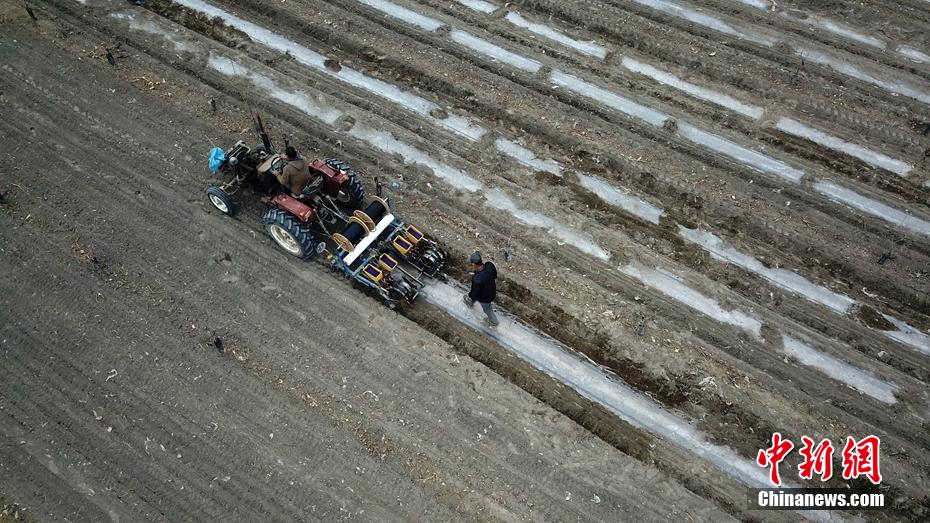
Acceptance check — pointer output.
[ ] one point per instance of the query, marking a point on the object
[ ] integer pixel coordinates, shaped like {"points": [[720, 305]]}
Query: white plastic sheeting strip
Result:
{"points": [[712, 22], [785, 279], [608, 98], [913, 54], [796, 283], [582, 241], [669, 285], [763, 5], [784, 124], [496, 52], [875, 208], [751, 111], [853, 71], [479, 5], [386, 142], [818, 22], [381, 140], [796, 128], [405, 15], [908, 335], [620, 198], [751, 159], [839, 370], [587, 48], [526, 157], [151, 28], [298, 99]]}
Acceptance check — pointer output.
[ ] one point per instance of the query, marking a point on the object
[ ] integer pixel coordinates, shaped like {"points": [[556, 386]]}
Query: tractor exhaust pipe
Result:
{"points": [[260, 131]]}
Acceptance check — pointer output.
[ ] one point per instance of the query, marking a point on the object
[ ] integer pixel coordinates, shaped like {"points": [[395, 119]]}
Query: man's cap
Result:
{"points": [[475, 257], [290, 151]]}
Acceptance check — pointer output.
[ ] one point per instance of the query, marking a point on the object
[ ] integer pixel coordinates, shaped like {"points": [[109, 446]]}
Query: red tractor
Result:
{"points": [[371, 245], [336, 191]]}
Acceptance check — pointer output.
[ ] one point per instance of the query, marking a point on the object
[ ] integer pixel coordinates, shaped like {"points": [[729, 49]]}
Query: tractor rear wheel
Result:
{"points": [[290, 234], [221, 200], [352, 194]]}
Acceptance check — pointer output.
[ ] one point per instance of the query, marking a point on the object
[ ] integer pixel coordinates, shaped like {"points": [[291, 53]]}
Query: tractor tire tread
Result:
{"points": [[224, 197], [296, 229], [354, 186]]}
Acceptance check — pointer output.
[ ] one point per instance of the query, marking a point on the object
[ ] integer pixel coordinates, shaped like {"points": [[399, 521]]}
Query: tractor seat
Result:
{"points": [[312, 188]]}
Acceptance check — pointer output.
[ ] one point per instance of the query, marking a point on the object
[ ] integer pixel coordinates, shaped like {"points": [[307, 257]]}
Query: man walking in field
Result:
{"points": [[483, 287]]}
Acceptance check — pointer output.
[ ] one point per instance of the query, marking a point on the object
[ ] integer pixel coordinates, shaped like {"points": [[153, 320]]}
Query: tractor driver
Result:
{"points": [[295, 175]]}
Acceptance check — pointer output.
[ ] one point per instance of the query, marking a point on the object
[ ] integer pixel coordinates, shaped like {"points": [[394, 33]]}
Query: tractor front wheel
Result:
{"points": [[221, 200], [352, 194], [290, 234]]}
